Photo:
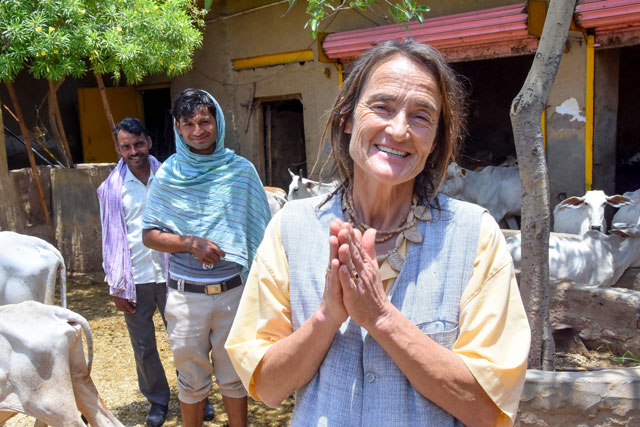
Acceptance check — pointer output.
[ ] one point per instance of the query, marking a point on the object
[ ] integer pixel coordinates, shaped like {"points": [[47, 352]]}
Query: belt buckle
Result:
{"points": [[212, 289]]}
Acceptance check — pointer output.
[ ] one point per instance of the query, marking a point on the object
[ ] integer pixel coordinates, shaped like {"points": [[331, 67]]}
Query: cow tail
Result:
{"points": [[74, 318], [62, 271], [87, 334]]}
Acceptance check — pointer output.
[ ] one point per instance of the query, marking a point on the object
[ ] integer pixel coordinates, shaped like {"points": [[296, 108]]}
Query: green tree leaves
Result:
{"points": [[134, 38], [402, 11]]}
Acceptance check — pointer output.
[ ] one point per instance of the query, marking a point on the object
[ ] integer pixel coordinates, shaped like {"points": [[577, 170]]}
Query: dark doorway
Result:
{"points": [[284, 145], [628, 125], [156, 104], [492, 85]]}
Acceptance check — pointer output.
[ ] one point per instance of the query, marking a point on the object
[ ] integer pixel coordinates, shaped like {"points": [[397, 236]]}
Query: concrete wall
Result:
{"points": [[268, 31], [76, 214], [566, 121], [610, 397], [71, 196]]}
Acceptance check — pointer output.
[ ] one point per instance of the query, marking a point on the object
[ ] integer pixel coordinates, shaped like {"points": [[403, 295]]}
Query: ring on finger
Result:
{"points": [[328, 271], [355, 276]]}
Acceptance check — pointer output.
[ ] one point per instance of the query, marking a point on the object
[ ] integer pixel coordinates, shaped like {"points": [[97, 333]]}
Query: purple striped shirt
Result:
{"points": [[115, 247]]}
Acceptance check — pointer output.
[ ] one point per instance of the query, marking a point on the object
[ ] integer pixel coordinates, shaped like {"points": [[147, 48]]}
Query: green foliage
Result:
{"points": [[43, 36], [402, 10], [140, 37], [626, 357], [59, 38]]}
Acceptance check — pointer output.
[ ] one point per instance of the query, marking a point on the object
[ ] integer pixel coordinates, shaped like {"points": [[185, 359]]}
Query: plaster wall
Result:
{"points": [[259, 33], [565, 123], [235, 29]]}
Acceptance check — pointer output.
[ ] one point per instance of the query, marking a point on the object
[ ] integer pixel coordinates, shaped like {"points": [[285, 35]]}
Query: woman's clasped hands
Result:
{"points": [[353, 283]]}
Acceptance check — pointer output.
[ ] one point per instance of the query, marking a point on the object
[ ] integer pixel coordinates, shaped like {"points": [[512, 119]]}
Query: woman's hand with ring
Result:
{"points": [[363, 293]]}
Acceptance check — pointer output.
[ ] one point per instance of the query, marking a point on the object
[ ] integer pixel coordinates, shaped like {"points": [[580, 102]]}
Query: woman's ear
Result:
{"points": [[348, 127]]}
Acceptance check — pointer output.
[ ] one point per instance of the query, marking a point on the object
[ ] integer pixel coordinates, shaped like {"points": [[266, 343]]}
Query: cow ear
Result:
{"points": [[572, 202], [617, 201], [619, 232], [626, 230]]}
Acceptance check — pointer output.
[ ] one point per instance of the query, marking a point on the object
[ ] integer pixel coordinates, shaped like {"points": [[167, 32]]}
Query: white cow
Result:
{"points": [[28, 270], [593, 258], [629, 214], [301, 188], [496, 188], [276, 197], [577, 215], [43, 372]]}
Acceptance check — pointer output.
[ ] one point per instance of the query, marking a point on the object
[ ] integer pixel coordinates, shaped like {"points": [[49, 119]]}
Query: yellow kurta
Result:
{"points": [[494, 332]]}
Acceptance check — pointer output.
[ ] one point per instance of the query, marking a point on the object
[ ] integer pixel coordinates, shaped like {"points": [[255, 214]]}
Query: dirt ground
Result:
{"points": [[114, 371], [115, 376]]}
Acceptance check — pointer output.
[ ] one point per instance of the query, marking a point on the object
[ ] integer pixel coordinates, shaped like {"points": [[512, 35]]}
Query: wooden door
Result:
{"points": [[97, 145]]}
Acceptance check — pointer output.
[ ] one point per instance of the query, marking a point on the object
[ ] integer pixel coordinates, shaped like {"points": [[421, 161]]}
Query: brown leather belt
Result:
{"points": [[206, 288]]}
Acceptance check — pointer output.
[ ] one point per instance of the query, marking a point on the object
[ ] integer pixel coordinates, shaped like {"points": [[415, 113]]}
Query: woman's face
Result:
{"points": [[395, 121]]}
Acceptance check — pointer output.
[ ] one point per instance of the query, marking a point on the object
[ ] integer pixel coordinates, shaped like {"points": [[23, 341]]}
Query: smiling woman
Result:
{"points": [[394, 126], [388, 286]]}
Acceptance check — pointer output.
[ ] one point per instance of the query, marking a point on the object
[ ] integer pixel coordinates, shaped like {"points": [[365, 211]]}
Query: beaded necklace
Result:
{"points": [[408, 230]]}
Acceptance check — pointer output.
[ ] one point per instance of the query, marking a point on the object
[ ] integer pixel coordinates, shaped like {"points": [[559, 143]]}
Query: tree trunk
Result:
{"points": [[526, 109], [32, 160], [56, 124], [106, 106], [11, 218]]}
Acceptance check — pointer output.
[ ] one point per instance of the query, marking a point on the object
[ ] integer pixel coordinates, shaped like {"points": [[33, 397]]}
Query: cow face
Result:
{"points": [[593, 204], [455, 181]]}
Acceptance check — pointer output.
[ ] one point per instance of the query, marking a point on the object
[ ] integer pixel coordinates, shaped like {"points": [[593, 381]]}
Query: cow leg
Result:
{"points": [[90, 404], [57, 410], [86, 394], [511, 222], [68, 416]]}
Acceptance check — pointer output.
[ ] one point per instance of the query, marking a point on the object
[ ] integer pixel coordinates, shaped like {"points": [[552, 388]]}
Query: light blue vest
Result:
{"points": [[358, 384]]}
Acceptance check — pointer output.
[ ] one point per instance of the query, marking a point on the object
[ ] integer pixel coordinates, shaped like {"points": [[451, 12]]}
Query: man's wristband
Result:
{"points": [[190, 244]]}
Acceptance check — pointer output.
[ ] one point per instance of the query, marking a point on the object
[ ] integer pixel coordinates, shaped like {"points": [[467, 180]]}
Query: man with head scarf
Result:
{"points": [[207, 208]]}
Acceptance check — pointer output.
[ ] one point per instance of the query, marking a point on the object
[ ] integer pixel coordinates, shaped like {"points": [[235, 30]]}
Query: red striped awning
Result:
{"points": [[616, 22], [488, 33], [492, 33]]}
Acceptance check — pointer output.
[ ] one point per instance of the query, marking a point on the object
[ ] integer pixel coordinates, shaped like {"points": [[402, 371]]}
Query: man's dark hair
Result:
{"points": [[190, 101], [130, 125]]}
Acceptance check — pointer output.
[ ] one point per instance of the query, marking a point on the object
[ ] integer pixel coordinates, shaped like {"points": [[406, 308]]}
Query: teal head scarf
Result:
{"points": [[218, 196]]}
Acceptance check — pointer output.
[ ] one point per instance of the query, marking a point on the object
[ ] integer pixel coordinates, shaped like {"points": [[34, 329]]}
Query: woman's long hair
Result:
{"points": [[451, 124]]}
